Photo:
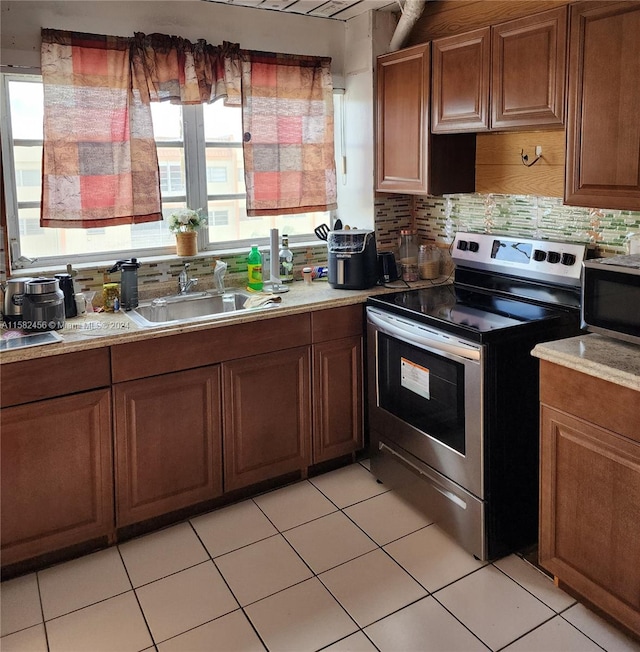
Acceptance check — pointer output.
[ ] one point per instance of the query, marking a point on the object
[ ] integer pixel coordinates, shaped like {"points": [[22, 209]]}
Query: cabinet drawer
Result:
{"points": [[201, 348], [336, 323], [603, 403], [56, 375]]}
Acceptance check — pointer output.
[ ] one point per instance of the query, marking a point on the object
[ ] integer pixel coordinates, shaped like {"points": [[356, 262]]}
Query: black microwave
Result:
{"points": [[611, 297]]}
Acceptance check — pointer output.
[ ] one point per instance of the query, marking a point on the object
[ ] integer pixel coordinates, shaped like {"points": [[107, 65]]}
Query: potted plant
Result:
{"points": [[185, 223]]}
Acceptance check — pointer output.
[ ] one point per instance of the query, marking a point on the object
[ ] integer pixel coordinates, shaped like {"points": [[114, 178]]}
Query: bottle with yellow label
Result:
{"points": [[254, 268]]}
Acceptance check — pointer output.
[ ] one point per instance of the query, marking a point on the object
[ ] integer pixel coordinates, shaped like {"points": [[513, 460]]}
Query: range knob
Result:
{"points": [[553, 257], [463, 245], [568, 259], [539, 255], [474, 246]]}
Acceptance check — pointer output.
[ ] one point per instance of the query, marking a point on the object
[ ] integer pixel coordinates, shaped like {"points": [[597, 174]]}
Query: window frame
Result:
{"points": [[196, 192]]}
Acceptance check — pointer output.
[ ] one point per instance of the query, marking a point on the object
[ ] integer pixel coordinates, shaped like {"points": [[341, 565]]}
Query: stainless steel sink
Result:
{"points": [[189, 307]]}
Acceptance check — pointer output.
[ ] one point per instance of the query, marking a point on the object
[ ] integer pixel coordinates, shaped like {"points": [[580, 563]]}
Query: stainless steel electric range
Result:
{"points": [[453, 388]]}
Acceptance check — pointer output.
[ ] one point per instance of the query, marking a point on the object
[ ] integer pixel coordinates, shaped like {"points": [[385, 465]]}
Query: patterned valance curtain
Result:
{"points": [[100, 164], [287, 115]]}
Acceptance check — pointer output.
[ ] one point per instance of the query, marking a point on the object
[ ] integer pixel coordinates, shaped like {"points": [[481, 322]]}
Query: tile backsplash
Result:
{"points": [[439, 218]]}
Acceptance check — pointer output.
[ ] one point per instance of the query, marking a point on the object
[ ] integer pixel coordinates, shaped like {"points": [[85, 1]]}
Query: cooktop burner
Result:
{"points": [[475, 315]]}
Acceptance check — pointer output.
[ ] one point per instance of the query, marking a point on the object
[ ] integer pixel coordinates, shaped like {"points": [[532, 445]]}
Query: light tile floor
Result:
{"points": [[336, 563]]}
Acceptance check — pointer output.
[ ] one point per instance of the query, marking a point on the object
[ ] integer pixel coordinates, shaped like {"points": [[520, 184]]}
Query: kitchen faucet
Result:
{"points": [[184, 282]]}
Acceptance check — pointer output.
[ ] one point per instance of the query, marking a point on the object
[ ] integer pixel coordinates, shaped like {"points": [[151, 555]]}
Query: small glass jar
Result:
{"points": [[428, 262], [408, 255]]}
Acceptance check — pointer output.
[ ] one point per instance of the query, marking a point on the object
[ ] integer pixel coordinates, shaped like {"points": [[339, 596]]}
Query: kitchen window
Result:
{"points": [[201, 165]]}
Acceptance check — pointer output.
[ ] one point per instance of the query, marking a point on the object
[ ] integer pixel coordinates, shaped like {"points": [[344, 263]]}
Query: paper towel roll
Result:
{"points": [[274, 259]]}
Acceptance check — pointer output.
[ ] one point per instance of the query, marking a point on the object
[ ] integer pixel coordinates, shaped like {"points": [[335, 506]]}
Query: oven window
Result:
{"points": [[423, 389]]}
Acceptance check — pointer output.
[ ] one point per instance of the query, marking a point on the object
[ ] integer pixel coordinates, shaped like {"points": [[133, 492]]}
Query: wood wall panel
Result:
{"points": [[499, 168], [449, 17]]}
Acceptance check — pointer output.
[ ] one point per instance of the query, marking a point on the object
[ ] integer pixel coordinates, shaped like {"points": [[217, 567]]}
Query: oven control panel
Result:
{"points": [[534, 259]]}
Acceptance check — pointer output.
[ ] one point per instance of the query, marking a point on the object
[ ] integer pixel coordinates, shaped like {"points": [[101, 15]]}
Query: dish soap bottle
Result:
{"points": [[286, 261], [254, 268]]}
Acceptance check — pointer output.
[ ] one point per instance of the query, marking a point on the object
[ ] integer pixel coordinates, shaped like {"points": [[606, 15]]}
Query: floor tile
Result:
{"points": [[233, 527], [557, 635], [230, 633], [303, 617], [258, 570], [348, 485], [81, 582], [329, 541], [294, 505], [424, 625], [19, 604], [357, 642], [386, 517], [32, 639], [162, 553], [432, 557], [599, 630], [185, 600], [371, 587], [114, 624], [493, 606], [535, 581]]}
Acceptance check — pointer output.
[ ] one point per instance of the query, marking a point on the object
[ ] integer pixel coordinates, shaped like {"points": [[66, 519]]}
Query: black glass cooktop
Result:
{"points": [[465, 312]]}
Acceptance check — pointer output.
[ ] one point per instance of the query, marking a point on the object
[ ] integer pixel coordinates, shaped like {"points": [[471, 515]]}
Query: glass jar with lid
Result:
{"points": [[408, 255]]}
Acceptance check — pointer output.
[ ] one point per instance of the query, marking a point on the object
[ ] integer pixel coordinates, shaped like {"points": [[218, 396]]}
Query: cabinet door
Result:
{"points": [[590, 511], [57, 475], [603, 128], [267, 416], [337, 398], [528, 71], [168, 443], [402, 122], [460, 96]]}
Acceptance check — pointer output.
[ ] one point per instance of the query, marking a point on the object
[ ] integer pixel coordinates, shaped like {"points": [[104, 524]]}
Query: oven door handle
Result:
{"points": [[405, 332]]}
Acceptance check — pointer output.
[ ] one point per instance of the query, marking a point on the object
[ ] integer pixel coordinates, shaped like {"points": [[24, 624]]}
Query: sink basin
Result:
{"points": [[189, 307]]}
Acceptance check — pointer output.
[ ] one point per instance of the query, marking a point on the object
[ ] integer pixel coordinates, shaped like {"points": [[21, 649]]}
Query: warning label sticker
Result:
{"points": [[414, 377]]}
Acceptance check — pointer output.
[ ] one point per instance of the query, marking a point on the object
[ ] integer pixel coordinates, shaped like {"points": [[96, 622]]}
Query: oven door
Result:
{"points": [[425, 395]]}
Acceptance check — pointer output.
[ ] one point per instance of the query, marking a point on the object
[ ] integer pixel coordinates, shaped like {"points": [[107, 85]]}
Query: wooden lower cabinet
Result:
{"points": [[57, 476], [267, 416], [337, 398], [167, 443], [590, 494]]}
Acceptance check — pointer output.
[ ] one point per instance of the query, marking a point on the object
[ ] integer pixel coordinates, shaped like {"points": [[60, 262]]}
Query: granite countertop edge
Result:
{"points": [[111, 329], [595, 355]]}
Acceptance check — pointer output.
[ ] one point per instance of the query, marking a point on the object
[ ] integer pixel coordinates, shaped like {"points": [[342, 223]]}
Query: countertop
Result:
{"points": [[596, 355], [106, 329]]}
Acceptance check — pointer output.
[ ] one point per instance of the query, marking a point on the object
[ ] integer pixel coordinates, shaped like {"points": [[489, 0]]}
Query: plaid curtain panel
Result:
{"points": [[287, 115], [100, 166]]}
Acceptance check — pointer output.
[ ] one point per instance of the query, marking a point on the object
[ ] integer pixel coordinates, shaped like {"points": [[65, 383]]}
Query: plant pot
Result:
{"points": [[187, 243]]}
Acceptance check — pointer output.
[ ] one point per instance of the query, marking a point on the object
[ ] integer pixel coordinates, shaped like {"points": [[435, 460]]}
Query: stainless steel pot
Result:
{"points": [[13, 298], [43, 305]]}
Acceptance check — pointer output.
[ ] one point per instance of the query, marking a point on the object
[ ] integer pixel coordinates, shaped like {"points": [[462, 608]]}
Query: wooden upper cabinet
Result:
{"points": [[409, 159], [603, 124], [528, 71], [460, 95], [402, 119], [509, 76]]}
